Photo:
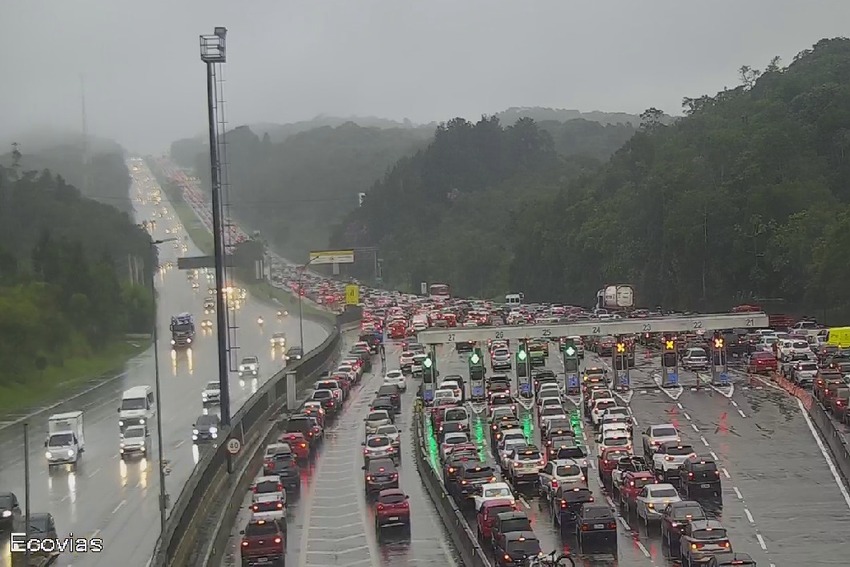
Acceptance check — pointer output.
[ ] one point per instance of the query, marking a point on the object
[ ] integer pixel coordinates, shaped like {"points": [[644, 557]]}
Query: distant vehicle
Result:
{"points": [[65, 440]]}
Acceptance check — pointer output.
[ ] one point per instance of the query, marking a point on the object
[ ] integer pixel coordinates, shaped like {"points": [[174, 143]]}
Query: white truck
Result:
{"points": [[65, 439]]}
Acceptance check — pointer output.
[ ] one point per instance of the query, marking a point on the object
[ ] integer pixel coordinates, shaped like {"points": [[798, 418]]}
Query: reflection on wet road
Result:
{"points": [[107, 497]]}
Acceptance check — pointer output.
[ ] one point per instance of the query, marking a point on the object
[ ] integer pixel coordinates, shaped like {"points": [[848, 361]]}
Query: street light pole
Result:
{"points": [[301, 271], [163, 496]]}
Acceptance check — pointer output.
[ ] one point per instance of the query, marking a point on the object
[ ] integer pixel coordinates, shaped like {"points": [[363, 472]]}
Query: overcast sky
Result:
{"points": [[423, 60]]}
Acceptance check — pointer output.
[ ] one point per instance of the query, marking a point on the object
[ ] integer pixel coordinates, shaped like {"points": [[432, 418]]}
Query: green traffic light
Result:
{"points": [[474, 358], [427, 363], [522, 355]]}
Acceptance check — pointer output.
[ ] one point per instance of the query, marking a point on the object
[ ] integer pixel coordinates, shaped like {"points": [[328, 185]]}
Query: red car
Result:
{"points": [[762, 362], [487, 515], [633, 483], [607, 462], [262, 543], [398, 331], [392, 508], [299, 444]]}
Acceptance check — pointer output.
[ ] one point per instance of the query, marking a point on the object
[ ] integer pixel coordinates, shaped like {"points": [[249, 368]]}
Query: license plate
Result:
{"points": [[598, 526], [262, 560], [394, 519], [705, 485]]}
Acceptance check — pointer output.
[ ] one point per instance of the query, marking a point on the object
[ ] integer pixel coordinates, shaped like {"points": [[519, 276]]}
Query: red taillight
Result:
{"points": [[554, 484], [380, 507], [277, 540], [368, 477], [584, 527], [303, 445], [690, 475], [716, 473], [279, 487], [492, 479], [612, 526], [563, 503], [244, 543]]}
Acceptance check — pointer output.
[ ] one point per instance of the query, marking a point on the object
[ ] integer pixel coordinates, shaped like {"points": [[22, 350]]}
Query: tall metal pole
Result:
{"points": [[27, 490], [301, 310], [163, 496], [218, 249]]}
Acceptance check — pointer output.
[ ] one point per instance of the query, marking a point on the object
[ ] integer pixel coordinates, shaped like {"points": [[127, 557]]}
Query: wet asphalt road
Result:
{"points": [[781, 503], [115, 501], [332, 523]]}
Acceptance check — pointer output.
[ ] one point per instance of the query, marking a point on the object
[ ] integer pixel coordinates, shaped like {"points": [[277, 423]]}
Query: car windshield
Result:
{"points": [[209, 420], [388, 430], [800, 344], [498, 492], [391, 499], [212, 386], [378, 442], [479, 472], [693, 512], [456, 414], [268, 486], [322, 394], [5, 502], [40, 524], [524, 546], [256, 529], [567, 470], [394, 374], [709, 533], [494, 511], [133, 404], [61, 440], [134, 432], [455, 440], [593, 512], [680, 451], [664, 432], [808, 366], [664, 493], [378, 416]]}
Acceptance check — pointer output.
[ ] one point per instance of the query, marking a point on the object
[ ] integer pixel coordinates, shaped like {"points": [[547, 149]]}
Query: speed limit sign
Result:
{"points": [[233, 446]]}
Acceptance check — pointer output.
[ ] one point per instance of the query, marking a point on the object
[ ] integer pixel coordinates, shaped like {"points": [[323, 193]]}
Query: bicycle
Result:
{"points": [[551, 560]]}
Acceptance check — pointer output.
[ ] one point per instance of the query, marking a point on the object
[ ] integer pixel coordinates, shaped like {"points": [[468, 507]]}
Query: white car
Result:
{"points": [[560, 472], [416, 366], [405, 361], [547, 414], [803, 372], [494, 491], [501, 359], [453, 386], [250, 366], [618, 411], [375, 419], [549, 390], [395, 378], [506, 447], [379, 446], [655, 435], [447, 394], [652, 500], [548, 401], [795, 350], [668, 457], [451, 439], [524, 464], [620, 438], [211, 394], [599, 407], [695, 359], [268, 499], [392, 432]]}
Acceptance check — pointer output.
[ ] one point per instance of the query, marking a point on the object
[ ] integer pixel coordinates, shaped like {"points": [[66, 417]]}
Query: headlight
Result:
{"points": [[194, 432], [173, 342], [121, 444], [213, 430], [203, 396], [7, 513], [188, 340], [120, 423], [142, 421], [49, 455]]}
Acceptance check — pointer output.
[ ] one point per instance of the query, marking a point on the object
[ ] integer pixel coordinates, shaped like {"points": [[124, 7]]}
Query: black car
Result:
{"points": [[464, 346], [676, 515], [392, 392], [699, 475], [300, 424], [374, 340], [10, 512], [451, 466], [380, 475], [515, 547], [384, 403], [285, 466], [596, 521], [567, 502], [469, 478], [507, 522], [42, 525], [206, 428], [449, 427], [730, 559], [294, 354]]}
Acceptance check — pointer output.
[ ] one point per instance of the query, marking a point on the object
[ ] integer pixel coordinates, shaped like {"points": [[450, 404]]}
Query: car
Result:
{"points": [[559, 472], [395, 378], [205, 428], [405, 361], [249, 366], [486, 517], [379, 447], [294, 354], [135, 442], [262, 542], [615, 438], [700, 539], [501, 359], [762, 362], [279, 461], [278, 340], [392, 507], [653, 499], [10, 512], [668, 457], [328, 400], [630, 463], [675, 517], [469, 478], [268, 498], [380, 474], [493, 491], [393, 433], [375, 419], [450, 439], [524, 464], [730, 559], [699, 474], [695, 358], [207, 325], [596, 521], [211, 394], [393, 393], [515, 548], [298, 442], [566, 504], [655, 435], [802, 372], [508, 522], [600, 405]]}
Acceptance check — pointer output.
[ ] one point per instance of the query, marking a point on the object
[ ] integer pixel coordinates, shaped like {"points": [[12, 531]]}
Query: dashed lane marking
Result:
{"points": [[762, 544], [642, 548], [120, 504], [680, 405], [726, 473], [742, 413], [825, 453], [94, 472], [749, 516], [688, 417], [704, 441], [695, 428], [525, 503], [714, 456], [738, 493], [625, 524], [734, 403]]}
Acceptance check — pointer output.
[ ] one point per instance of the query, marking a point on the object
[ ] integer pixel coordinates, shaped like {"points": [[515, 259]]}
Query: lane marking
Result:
{"points": [[686, 416], [120, 504], [825, 452], [742, 413], [704, 441], [94, 472], [749, 516], [95, 533], [738, 493], [734, 403], [714, 456], [625, 524], [761, 542], [179, 443], [524, 503], [680, 405], [726, 473], [695, 428], [642, 548]]}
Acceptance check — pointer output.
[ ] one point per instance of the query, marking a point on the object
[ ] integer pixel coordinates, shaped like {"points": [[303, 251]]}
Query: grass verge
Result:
{"points": [[56, 383]]}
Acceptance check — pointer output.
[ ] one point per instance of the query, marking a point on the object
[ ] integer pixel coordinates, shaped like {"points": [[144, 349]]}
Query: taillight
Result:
{"points": [[280, 505], [395, 476], [554, 484], [691, 475], [716, 473], [303, 445], [563, 503], [612, 526], [584, 527], [368, 477], [463, 482], [244, 543], [255, 508], [696, 545], [507, 557], [279, 487], [492, 479], [380, 507], [277, 540]]}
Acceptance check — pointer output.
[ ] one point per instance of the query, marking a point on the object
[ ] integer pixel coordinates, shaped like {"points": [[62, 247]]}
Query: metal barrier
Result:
{"points": [[465, 540], [834, 440], [179, 542]]}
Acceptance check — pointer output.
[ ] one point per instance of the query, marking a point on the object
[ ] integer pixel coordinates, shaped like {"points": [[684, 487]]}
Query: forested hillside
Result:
{"points": [[747, 198], [104, 178], [66, 292]]}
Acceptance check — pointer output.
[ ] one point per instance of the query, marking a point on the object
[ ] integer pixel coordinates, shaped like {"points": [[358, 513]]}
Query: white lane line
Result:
{"points": [[680, 405], [726, 473], [749, 516], [738, 493], [635, 421], [94, 472], [120, 504], [704, 441], [695, 428], [824, 452], [761, 542], [734, 403], [742, 413], [714, 456], [686, 416], [179, 443], [642, 549], [625, 524], [524, 503]]}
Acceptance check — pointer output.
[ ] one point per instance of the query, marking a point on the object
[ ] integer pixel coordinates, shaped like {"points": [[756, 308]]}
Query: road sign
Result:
{"points": [[624, 379], [572, 381], [724, 379], [198, 262], [689, 323], [672, 379], [525, 389], [352, 294], [332, 257], [234, 446]]}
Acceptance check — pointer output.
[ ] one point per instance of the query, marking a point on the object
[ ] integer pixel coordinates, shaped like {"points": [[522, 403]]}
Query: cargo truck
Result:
{"points": [[65, 439]]}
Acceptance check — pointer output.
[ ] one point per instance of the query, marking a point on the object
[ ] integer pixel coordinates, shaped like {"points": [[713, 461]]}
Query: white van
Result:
{"points": [[513, 299], [138, 407]]}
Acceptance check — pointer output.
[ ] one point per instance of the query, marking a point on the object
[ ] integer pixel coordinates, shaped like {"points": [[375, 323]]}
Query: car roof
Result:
{"points": [[382, 463]]}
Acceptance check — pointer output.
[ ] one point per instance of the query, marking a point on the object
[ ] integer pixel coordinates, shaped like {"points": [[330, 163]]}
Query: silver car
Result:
{"points": [[652, 500], [378, 447], [376, 419]]}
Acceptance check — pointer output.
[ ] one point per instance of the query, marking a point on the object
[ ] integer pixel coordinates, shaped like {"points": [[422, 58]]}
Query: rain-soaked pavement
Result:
{"points": [[105, 497]]}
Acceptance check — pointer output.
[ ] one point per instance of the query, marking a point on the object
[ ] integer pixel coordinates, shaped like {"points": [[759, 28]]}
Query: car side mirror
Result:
{"points": [[193, 425], [406, 497], [363, 468], [118, 410], [241, 532], [363, 444], [45, 442]]}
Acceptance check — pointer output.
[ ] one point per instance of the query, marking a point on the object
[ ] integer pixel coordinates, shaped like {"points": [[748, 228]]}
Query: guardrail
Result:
{"points": [[834, 440], [179, 544], [465, 540]]}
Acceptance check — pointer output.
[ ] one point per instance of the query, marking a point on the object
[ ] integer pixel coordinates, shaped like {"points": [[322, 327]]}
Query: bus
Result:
{"points": [[439, 291]]}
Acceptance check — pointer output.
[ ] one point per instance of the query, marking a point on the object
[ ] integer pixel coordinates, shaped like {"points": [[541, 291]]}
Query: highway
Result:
{"points": [[332, 523], [106, 498], [781, 502]]}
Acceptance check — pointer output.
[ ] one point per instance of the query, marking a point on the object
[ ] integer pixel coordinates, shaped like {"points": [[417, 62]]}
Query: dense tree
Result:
{"points": [[65, 285]]}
